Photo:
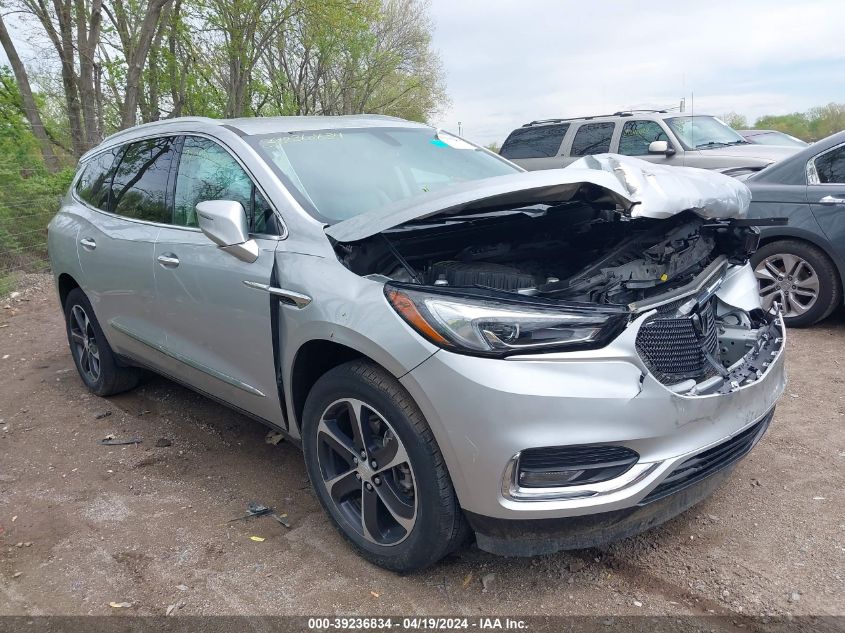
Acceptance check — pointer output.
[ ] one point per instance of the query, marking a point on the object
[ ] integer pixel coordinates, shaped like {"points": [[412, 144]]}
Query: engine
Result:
{"points": [[489, 275]]}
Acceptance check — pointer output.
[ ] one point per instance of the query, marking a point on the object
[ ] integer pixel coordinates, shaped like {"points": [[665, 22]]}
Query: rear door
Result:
{"points": [[589, 139], [219, 326], [125, 196], [536, 146], [826, 194]]}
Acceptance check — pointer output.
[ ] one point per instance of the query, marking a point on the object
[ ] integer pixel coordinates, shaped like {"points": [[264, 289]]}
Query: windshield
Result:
{"points": [[704, 132], [338, 174], [775, 138]]}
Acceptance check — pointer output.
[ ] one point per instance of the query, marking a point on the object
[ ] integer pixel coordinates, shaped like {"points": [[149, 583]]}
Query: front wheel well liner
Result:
{"points": [[66, 283], [312, 360]]}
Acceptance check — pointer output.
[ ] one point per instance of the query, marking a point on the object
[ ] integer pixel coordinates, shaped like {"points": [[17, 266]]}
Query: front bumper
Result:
{"points": [[483, 412]]}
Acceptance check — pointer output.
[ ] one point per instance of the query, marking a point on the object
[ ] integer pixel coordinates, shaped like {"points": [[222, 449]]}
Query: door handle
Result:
{"points": [[168, 260], [832, 200], [88, 244]]}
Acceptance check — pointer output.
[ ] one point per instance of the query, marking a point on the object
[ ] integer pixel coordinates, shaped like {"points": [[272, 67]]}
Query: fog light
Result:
{"points": [[560, 466]]}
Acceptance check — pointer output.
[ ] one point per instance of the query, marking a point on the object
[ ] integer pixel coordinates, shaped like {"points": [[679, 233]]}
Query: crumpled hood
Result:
{"points": [[661, 191], [647, 190]]}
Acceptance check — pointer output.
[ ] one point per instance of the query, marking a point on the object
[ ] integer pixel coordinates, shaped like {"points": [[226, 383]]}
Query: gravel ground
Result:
{"points": [[83, 525]]}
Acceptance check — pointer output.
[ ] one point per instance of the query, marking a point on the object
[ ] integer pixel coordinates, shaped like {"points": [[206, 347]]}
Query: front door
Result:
{"points": [[219, 329], [636, 136]]}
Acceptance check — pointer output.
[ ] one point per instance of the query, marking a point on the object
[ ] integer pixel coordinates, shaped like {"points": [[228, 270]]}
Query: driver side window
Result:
{"points": [[208, 172], [638, 135]]}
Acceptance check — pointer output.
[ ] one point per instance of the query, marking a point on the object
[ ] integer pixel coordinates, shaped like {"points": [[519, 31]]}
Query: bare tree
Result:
{"points": [[88, 25], [136, 32], [30, 108], [118, 59], [56, 21]]}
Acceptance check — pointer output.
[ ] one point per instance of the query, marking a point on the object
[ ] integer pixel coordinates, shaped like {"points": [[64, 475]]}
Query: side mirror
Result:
{"points": [[224, 223], [661, 147]]}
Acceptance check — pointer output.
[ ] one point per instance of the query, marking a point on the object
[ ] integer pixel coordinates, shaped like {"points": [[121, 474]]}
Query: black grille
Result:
{"points": [[710, 461], [673, 348]]}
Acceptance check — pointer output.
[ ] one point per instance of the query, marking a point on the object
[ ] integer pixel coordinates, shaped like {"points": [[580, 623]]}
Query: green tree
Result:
{"points": [[30, 193], [812, 125], [826, 120], [795, 124]]}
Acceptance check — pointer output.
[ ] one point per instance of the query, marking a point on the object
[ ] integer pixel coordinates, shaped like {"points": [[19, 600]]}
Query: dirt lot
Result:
{"points": [[83, 525]]}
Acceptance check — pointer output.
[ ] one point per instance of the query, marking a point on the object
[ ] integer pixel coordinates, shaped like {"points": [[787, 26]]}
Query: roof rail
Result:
{"points": [[594, 116], [632, 110], [182, 119]]}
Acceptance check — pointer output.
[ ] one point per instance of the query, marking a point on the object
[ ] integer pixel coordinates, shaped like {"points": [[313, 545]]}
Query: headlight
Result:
{"points": [[502, 327]]}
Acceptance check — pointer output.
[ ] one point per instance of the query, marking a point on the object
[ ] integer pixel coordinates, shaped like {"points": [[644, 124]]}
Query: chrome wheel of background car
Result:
{"points": [[789, 280], [85, 343], [366, 471]]}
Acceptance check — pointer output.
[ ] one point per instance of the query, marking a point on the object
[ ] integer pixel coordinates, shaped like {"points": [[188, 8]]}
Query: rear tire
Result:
{"points": [[95, 361], [801, 277], [402, 517]]}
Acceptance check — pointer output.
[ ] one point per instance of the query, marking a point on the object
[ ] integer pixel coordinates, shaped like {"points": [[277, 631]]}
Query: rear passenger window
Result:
{"points": [[592, 138], [140, 188], [638, 135], [209, 172], [542, 141], [94, 185], [831, 167]]}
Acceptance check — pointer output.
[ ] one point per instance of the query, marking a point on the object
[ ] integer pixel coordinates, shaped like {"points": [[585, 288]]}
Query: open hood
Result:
{"points": [[641, 188]]}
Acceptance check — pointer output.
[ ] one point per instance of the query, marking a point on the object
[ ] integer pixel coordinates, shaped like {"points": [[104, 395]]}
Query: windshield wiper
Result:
{"points": [[712, 144]]}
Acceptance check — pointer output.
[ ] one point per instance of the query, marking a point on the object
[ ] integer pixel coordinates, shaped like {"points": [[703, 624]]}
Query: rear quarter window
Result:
{"points": [[534, 142], [592, 138], [831, 167]]}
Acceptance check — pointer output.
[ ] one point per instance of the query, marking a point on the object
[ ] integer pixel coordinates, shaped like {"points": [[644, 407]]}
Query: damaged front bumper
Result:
{"points": [[486, 412]]}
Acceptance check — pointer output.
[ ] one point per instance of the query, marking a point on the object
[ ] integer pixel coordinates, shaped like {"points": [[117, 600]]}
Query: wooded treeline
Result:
{"points": [[81, 69], [812, 125]]}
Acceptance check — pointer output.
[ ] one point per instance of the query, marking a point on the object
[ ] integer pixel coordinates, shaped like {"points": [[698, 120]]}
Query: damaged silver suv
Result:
{"points": [[550, 360]]}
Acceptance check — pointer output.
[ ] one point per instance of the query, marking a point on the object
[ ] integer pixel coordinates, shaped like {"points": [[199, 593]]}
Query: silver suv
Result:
{"points": [[546, 359], [658, 136]]}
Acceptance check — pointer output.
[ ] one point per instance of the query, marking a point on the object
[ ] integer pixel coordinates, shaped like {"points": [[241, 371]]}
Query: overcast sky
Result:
{"points": [[508, 62]]}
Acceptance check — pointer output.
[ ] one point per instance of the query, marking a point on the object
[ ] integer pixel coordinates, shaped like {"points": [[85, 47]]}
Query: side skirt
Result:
{"points": [[134, 362]]}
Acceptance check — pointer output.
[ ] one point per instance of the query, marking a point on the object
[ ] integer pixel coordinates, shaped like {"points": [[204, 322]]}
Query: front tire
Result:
{"points": [[377, 470], [800, 277], [95, 361]]}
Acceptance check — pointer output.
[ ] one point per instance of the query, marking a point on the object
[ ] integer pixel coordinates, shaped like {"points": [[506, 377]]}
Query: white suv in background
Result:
{"points": [[659, 136]]}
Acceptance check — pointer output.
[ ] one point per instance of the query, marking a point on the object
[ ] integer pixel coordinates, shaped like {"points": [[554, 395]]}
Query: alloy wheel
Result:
{"points": [[84, 343], [367, 472], [789, 280]]}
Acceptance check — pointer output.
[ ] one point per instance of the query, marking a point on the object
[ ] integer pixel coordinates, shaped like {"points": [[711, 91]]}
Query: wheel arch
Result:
{"points": [[66, 283], [312, 360]]}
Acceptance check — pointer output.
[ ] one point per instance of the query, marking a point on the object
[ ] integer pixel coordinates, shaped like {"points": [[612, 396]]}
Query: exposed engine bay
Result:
{"points": [[548, 263], [578, 253]]}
